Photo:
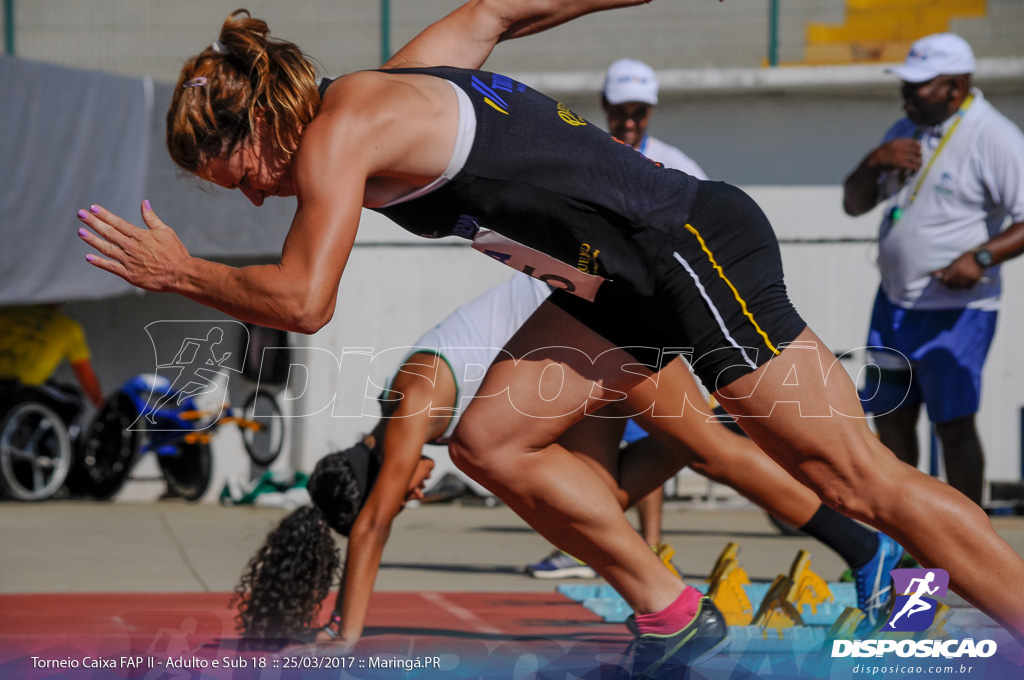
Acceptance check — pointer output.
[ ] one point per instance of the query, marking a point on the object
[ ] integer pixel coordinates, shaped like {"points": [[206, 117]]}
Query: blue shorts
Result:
{"points": [[633, 432], [938, 358]]}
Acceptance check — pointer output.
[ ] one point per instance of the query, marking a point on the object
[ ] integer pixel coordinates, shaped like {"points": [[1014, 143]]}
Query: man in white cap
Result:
{"points": [[952, 176], [629, 96]]}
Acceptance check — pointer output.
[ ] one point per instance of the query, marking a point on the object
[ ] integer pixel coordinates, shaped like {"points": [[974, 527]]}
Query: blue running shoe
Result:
{"points": [[874, 585], [663, 657], [560, 564]]}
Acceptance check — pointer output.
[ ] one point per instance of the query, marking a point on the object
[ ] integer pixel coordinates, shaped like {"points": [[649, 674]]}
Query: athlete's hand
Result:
{"points": [[150, 257], [963, 273], [337, 645]]}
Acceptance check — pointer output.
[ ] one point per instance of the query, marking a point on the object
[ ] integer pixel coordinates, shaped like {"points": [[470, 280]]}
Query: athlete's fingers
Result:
{"points": [[110, 218], [150, 217], [107, 265], [101, 245], [108, 225]]}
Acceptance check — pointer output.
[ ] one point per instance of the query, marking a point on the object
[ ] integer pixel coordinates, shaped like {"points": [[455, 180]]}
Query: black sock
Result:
{"points": [[854, 542]]}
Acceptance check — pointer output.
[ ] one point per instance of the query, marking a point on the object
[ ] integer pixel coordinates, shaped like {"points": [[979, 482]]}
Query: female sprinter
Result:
{"points": [[651, 259], [358, 492]]}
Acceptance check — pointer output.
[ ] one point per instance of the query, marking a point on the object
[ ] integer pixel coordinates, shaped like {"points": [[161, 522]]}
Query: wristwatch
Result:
{"points": [[983, 256]]}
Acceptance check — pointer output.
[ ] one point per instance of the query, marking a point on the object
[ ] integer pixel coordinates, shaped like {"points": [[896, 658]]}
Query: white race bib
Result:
{"points": [[555, 273]]}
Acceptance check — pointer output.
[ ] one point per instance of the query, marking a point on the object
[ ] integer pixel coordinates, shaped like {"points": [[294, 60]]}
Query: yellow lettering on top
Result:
{"points": [[568, 116]]}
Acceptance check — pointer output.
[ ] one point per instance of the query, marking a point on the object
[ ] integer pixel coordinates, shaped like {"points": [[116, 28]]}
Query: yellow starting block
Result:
{"points": [[730, 597], [937, 631], [725, 588], [845, 627], [665, 552], [808, 587], [729, 554], [777, 611]]}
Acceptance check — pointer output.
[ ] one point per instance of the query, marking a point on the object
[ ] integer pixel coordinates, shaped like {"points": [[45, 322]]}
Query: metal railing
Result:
{"points": [[146, 37]]}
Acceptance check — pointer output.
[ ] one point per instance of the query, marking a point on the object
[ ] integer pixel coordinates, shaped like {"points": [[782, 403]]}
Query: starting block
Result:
{"points": [[937, 631], [845, 627], [790, 596], [808, 588], [729, 554], [777, 611], [726, 588]]}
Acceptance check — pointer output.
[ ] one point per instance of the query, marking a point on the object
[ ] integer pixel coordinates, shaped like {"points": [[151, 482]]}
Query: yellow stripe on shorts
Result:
{"points": [[736, 293]]}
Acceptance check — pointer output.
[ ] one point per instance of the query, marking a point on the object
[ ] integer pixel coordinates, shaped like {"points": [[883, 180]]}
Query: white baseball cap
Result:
{"points": [[940, 54], [629, 80]]}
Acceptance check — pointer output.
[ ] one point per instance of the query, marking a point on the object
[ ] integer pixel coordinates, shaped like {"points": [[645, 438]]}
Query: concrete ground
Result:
{"points": [[172, 546]]}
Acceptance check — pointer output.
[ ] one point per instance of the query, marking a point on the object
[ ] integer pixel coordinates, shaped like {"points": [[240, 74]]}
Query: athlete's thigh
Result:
{"points": [[596, 437], [671, 403], [802, 409], [551, 373]]}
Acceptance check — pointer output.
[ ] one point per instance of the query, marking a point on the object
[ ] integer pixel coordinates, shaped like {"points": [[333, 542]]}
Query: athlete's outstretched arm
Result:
{"points": [[425, 382], [299, 292], [466, 37]]}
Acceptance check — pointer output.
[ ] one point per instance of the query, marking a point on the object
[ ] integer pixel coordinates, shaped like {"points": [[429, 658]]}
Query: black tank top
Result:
{"points": [[541, 176]]}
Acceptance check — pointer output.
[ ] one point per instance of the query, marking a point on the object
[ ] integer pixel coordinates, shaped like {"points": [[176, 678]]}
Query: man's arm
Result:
{"points": [[860, 189], [965, 272]]}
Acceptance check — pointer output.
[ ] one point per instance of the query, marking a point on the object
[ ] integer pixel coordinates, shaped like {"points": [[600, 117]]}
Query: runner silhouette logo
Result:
{"points": [[914, 607]]}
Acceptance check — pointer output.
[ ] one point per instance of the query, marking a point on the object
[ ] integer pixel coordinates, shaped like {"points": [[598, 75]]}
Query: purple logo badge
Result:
{"points": [[913, 610]]}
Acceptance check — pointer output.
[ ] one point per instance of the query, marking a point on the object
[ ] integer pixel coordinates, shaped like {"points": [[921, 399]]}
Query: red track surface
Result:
{"points": [[476, 630]]}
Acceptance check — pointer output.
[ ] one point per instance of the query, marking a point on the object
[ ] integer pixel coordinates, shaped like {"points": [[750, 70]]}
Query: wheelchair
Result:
{"points": [[37, 438], [126, 428]]}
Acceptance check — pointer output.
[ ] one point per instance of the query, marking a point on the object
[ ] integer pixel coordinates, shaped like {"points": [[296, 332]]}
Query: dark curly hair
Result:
{"points": [[280, 593], [334, 489]]}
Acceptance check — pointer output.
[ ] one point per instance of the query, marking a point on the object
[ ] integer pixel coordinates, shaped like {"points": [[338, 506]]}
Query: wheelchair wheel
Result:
{"points": [[35, 452], [189, 471], [109, 449], [264, 444]]}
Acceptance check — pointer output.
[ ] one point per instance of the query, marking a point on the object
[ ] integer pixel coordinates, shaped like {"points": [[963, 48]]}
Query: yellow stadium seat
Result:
{"points": [[883, 30]]}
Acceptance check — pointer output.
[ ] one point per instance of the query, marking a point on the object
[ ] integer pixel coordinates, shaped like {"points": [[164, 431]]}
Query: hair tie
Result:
{"points": [[198, 81], [219, 47]]}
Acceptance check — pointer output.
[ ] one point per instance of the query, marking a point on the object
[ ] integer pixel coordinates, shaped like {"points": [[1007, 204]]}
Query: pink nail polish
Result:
{"points": [[83, 233], [82, 214], [95, 209], [147, 206], [89, 258]]}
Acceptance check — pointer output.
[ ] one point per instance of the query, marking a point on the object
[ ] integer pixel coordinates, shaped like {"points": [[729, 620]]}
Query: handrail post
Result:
{"points": [[9, 27], [385, 30], [773, 33]]}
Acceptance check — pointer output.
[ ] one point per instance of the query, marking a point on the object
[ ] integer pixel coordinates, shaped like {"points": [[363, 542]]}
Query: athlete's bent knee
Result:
{"points": [[469, 454], [866, 497]]}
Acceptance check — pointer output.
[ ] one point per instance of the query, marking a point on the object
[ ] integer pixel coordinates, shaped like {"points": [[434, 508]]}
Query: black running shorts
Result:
{"points": [[720, 300]]}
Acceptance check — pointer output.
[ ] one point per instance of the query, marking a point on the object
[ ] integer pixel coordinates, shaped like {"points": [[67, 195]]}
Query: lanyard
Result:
{"points": [[897, 212]]}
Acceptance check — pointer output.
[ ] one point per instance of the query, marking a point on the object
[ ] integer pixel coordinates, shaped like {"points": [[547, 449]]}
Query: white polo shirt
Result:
{"points": [[974, 188], [470, 338], [670, 156]]}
